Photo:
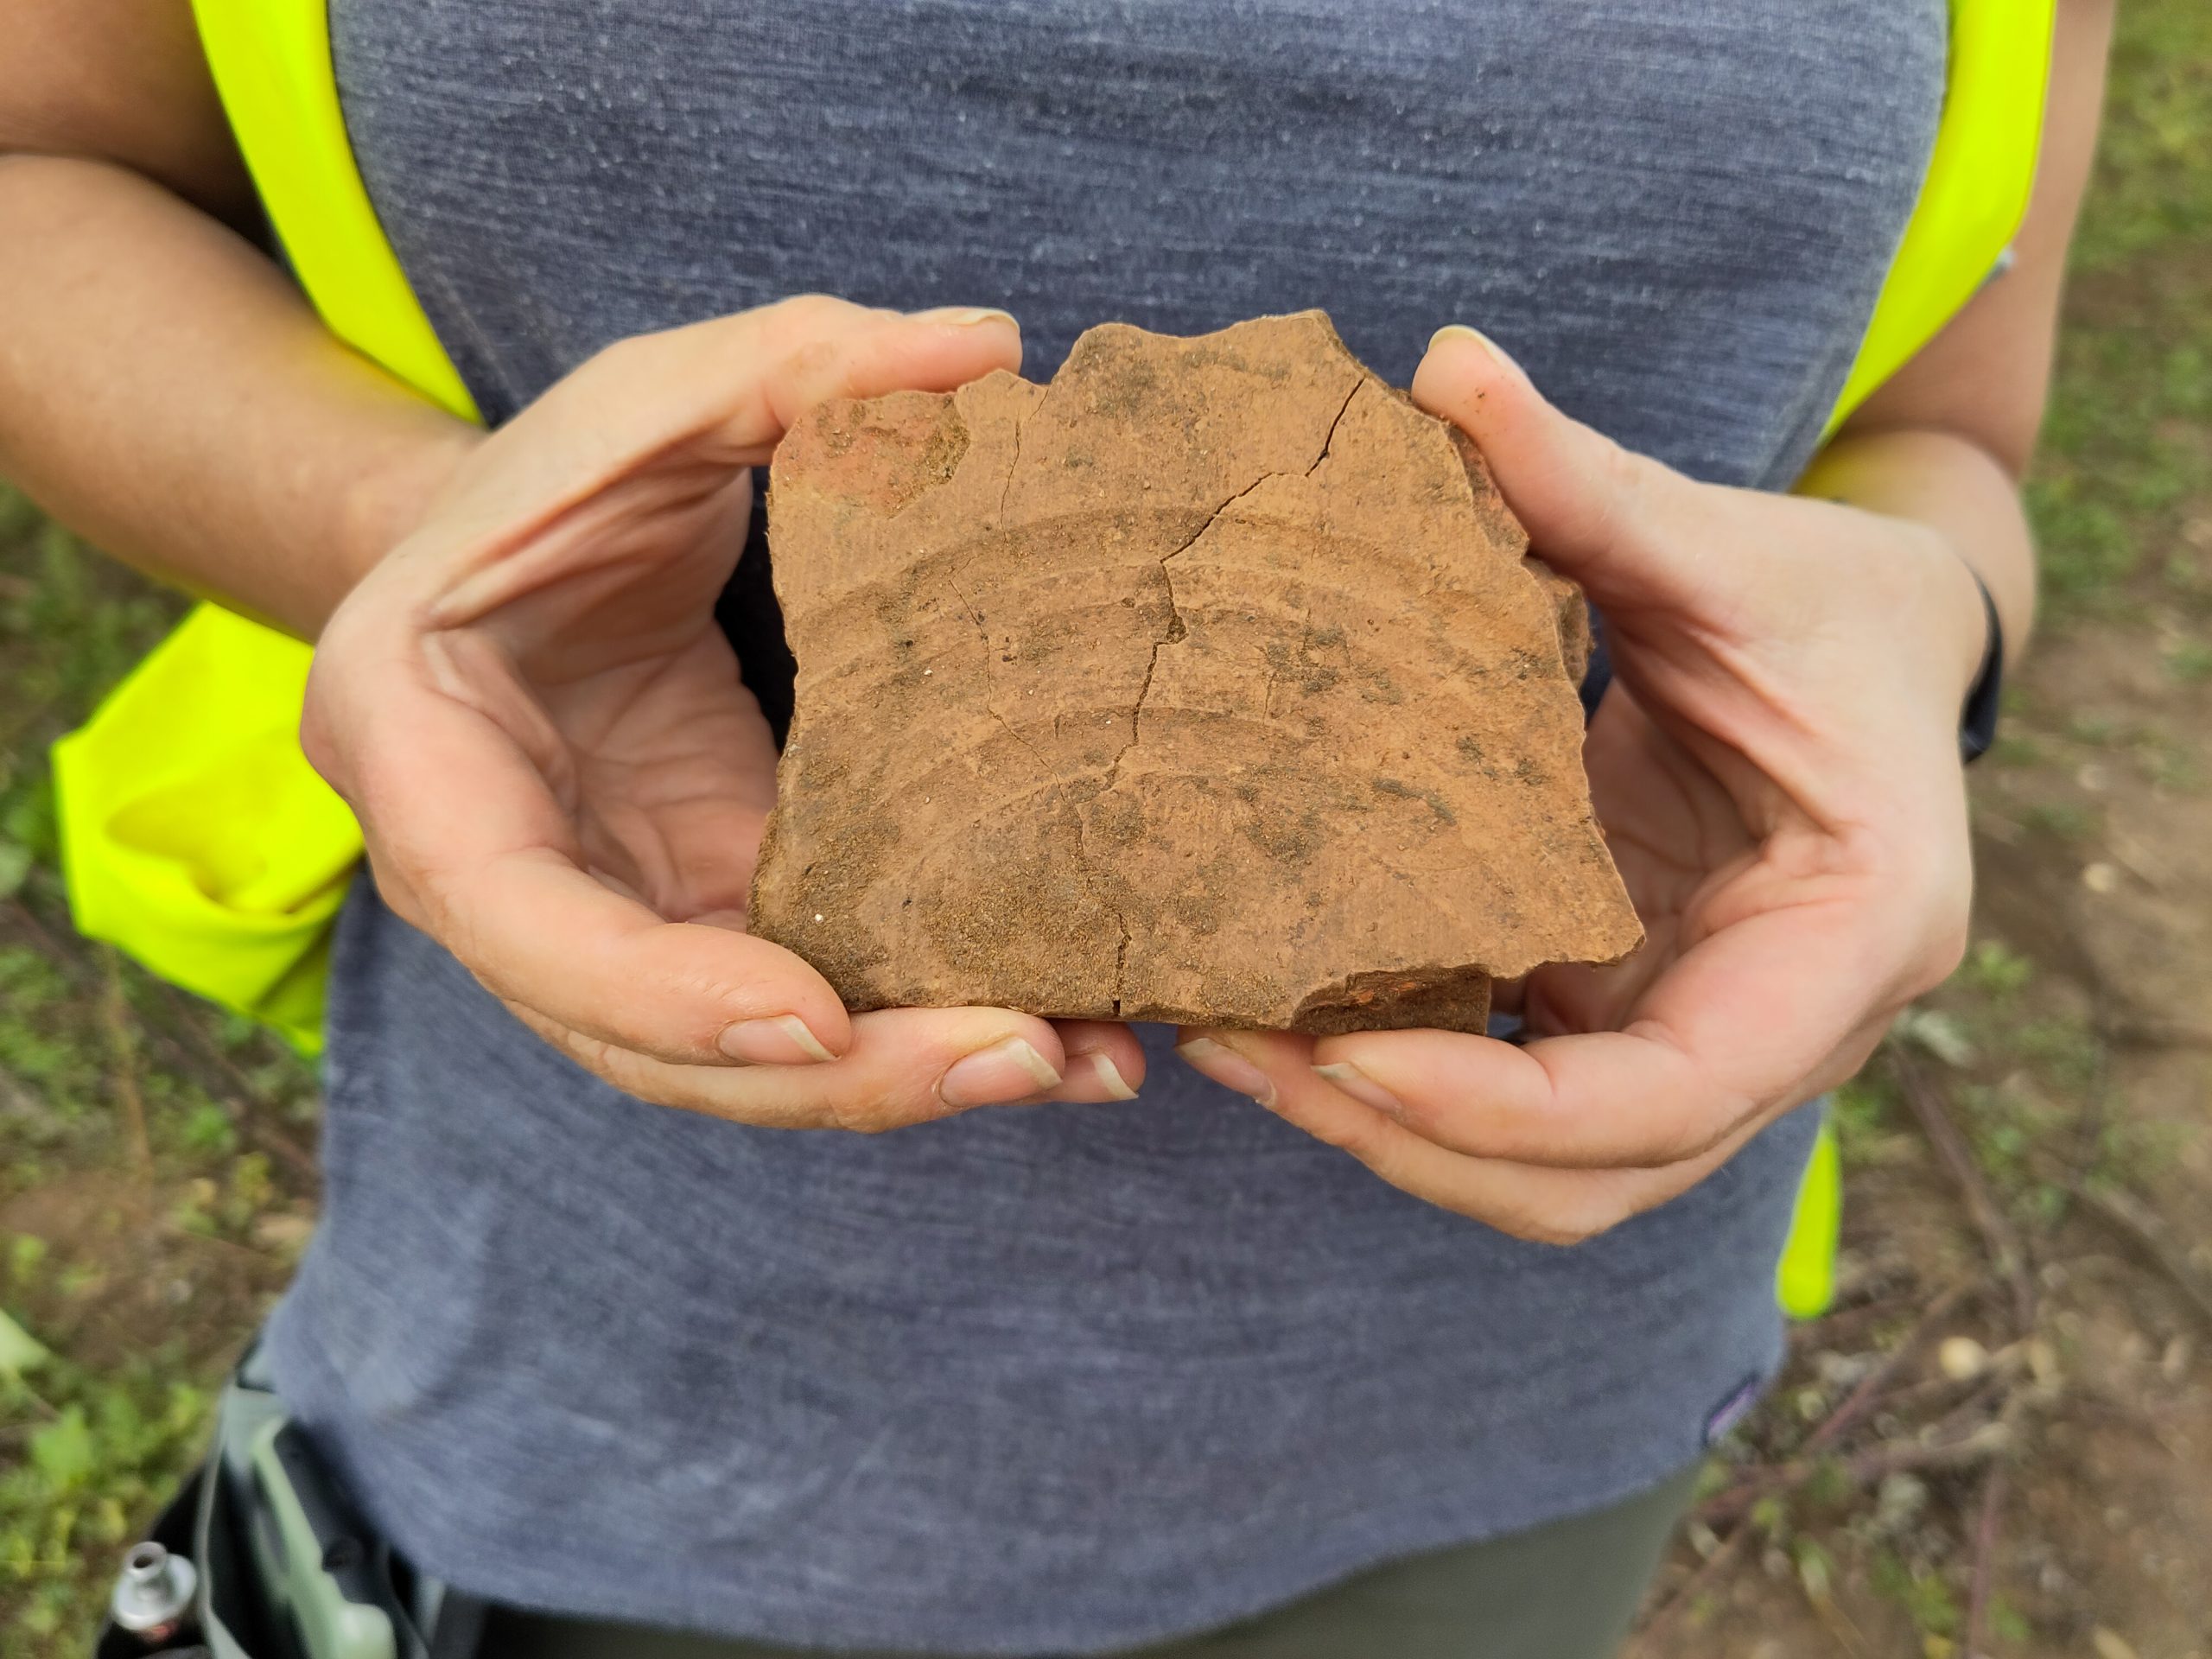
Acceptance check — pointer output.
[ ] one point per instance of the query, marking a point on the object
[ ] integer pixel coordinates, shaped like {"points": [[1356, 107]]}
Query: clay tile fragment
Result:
{"points": [[1210, 684]]}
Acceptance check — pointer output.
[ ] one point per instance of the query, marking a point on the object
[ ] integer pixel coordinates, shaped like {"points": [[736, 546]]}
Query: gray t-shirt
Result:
{"points": [[1065, 1378]]}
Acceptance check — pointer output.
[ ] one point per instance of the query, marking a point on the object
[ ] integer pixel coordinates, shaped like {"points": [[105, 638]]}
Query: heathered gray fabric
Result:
{"points": [[1064, 1379]]}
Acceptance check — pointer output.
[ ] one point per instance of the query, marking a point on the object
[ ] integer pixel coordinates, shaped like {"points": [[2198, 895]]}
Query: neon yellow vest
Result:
{"points": [[196, 837]]}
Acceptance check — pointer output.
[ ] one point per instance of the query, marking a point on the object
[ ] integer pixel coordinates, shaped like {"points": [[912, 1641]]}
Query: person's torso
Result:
{"points": [[1676, 215], [1067, 1377]]}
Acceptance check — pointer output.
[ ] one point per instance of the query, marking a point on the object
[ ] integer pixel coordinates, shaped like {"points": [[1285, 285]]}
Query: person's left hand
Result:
{"points": [[1776, 769]]}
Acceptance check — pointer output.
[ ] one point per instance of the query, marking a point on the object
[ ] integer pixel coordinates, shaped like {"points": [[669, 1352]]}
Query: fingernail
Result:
{"points": [[968, 316], [1227, 1068], [783, 1040], [1363, 1088], [1460, 331], [1110, 1079], [1006, 1071]]}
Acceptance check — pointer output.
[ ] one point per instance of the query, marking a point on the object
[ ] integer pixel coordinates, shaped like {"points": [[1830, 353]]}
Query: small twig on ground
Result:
{"points": [[1985, 1558], [1860, 1400], [260, 1259], [2123, 1216], [2159, 1033], [41, 935], [1999, 1237], [248, 1106], [182, 1013], [1867, 1468], [2132, 1418], [1951, 1394], [1835, 1620], [2089, 1126], [183, 1045], [1875, 1274], [124, 1054], [1838, 1329]]}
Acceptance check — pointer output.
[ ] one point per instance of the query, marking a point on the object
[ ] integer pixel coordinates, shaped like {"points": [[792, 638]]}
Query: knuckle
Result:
{"points": [[1559, 1236], [869, 1112], [804, 312], [805, 333], [1551, 1231], [397, 892], [1562, 1224], [1579, 1226], [1693, 1135], [1624, 473], [1359, 1134], [322, 751], [1924, 922], [602, 1058], [812, 359], [617, 360], [1626, 481], [1945, 949], [445, 914]]}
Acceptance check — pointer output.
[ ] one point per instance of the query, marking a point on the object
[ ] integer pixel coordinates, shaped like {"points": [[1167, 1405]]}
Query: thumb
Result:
{"points": [[1609, 518]]}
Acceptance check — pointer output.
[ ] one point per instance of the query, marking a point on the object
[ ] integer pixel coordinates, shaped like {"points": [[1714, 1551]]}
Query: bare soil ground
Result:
{"points": [[2000, 1441], [2047, 1485]]}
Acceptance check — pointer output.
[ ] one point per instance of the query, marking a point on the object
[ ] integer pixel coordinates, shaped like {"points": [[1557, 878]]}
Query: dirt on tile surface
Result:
{"points": [[1209, 684]]}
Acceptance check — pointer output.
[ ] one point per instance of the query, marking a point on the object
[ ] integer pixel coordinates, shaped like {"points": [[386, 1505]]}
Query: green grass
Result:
{"points": [[2126, 442], [98, 1451], [93, 1435]]}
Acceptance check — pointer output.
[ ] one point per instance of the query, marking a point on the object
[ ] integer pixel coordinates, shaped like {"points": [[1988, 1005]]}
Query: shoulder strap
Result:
{"points": [[271, 63], [1976, 192]]}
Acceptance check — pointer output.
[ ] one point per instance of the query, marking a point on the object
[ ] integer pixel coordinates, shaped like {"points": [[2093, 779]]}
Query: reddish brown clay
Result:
{"points": [[1209, 684]]}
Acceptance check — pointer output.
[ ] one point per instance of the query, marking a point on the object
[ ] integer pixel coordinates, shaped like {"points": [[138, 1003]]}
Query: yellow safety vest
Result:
{"points": [[196, 837]]}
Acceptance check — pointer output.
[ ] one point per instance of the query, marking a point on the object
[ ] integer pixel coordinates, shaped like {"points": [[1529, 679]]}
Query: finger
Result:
{"points": [[468, 837], [716, 394], [1105, 1061], [1613, 519], [903, 1066], [1533, 1202], [1748, 1023]]}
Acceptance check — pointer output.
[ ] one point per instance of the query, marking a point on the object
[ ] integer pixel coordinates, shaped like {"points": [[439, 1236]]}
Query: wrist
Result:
{"points": [[1973, 643], [393, 492], [1960, 600]]}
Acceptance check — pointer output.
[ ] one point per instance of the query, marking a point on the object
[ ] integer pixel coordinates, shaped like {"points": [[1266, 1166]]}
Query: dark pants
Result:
{"points": [[1565, 1590]]}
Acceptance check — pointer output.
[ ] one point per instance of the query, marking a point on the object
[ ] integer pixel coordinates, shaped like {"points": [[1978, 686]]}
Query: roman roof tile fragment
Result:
{"points": [[1209, 684]]}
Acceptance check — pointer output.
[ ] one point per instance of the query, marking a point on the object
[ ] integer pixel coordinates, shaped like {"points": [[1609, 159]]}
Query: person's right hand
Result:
{"points": [[561, 777]]}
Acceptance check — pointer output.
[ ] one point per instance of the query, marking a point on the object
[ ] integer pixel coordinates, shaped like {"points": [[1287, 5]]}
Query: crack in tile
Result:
{"points": [[1176, 632], [1013, 463]]}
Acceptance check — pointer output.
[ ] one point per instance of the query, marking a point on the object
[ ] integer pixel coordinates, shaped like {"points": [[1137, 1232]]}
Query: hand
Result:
{"points": [[561, 776], [1776, 769]]}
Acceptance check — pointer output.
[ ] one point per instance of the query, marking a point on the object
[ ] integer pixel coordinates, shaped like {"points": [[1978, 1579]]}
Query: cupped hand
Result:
{"points": [[561, 776], [1776, 769]]}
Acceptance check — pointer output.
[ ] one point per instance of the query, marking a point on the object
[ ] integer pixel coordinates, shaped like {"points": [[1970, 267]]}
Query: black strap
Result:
{"points": [[1978, 723]]}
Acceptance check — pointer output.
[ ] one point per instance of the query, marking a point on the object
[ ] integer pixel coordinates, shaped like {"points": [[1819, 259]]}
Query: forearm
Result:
{"points": [[1945, 441], [1953, 486], [166, 391]]}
